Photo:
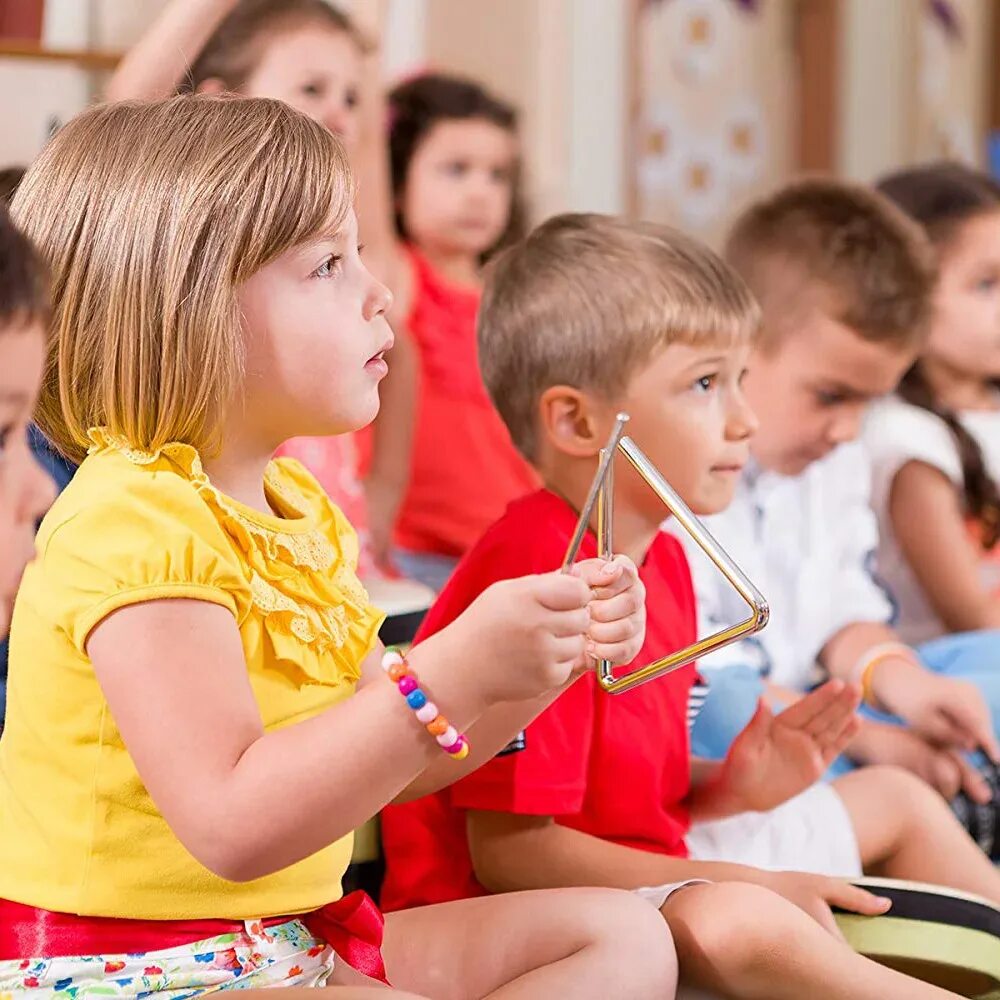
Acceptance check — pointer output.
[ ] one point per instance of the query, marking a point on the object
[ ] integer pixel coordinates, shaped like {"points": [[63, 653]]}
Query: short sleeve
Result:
{"points": [[146, 536], [897, 433], [855, 593], [549, 776]]}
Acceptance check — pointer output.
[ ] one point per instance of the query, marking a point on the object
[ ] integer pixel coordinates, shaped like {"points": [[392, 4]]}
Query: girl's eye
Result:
{"points": [[312, 89], [986, 284], [329, 267], [706, 383], [351, 99], [456, 168], [5, 435]]}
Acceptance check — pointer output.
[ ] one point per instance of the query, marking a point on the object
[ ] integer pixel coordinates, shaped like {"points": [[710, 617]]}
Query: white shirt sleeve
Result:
{"points": [[855, 593], [896, 433], [719, 605]]}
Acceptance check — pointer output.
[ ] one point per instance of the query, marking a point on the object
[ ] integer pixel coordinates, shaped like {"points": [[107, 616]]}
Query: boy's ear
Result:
{"points": [[573, 422], [213, 85]]}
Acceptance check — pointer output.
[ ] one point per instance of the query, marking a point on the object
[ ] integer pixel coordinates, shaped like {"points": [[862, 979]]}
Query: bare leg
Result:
{"points": [[905, 830], [589, 944], [745, 942]]}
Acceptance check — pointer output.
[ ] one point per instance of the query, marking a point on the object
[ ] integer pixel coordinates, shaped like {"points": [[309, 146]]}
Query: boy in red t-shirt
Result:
{"points": [[587, 317]]}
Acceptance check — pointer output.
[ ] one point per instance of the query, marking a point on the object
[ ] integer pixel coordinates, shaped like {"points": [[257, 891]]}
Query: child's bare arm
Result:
{"points": [[534, 852], [389, 476], [370, 157], [248, 803], [511, 852], [156, 64], [946, 710], [944, 559]]}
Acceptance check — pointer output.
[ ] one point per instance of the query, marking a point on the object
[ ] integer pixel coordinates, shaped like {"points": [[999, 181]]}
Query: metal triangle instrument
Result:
{"points": [[601, 499]]}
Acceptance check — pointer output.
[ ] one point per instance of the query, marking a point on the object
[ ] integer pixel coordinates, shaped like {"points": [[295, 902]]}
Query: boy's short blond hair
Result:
{"points": [[586, 300], [842, 248], [150, 217]]}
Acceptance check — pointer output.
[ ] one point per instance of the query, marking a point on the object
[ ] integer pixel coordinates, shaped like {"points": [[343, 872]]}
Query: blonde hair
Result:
{"points": [[150, 216], [586, 300], [843, 247]]}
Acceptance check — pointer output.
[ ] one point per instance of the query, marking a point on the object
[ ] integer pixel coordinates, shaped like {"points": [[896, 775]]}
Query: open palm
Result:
{"points": [[777, 757]]}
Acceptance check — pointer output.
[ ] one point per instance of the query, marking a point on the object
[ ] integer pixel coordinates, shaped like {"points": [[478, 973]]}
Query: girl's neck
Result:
{"points": [[955, 390], [239, 474], [457, 268]]}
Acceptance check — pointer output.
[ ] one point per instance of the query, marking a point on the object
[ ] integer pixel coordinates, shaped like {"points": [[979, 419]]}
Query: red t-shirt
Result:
{"points": [[616, 767], [465, 469]]}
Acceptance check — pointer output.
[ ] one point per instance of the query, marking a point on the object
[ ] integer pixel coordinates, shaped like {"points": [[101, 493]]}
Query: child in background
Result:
{"points": [[845, 283], [455, 174], [315, 58], [10, 177], [25, 490], [194, 667], [587, 317], [935, 445]]}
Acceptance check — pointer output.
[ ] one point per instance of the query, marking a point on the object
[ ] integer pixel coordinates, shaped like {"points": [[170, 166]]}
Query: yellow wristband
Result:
{"points": [[864, 671]]}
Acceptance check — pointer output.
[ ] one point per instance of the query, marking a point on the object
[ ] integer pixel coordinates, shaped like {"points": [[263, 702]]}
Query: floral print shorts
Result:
{"points": [[256, 957]]}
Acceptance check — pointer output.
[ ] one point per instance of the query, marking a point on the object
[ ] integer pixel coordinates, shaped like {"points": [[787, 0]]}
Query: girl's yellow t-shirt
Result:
{"points": [[78, 830]]}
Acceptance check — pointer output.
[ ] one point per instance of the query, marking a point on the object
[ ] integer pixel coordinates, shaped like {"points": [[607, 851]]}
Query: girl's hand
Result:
{"points": [[617, 611], [522, 638]]}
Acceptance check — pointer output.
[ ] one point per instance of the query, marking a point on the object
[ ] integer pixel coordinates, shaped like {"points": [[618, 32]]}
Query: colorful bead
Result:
{"points": [[391, 659], [455, 747], [416, 699], [407, 684], [463, 753], [438, 726], [397, 672], [449, 736], [428, 713]]}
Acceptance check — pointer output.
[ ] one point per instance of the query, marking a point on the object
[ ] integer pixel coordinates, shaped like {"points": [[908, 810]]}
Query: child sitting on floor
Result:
{"points": [[845, 281], [25, 489], [197, 719], [587, 317], [935, 444]]}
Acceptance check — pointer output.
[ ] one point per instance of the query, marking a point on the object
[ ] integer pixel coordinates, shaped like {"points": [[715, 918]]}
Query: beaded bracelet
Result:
{"points": [[449, 739]]}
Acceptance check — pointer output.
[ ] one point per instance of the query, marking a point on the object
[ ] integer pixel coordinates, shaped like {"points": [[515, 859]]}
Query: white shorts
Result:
{"points": [[811, 833]]}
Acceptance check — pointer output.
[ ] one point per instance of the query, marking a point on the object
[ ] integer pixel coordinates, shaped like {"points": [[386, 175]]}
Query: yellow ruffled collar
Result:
{"points": [[298, 580]]}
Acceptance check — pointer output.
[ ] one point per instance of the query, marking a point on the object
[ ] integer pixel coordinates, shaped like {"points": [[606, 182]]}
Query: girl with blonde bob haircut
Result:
{"points": [[196, 718]]}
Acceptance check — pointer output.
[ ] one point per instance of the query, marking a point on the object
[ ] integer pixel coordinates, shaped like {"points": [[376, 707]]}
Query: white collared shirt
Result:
{"points": [[808, 543]]}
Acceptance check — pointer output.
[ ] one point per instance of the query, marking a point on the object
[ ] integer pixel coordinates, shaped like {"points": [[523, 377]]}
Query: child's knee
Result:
{"points": [[635, 932], [729, 931], [899, 790]]}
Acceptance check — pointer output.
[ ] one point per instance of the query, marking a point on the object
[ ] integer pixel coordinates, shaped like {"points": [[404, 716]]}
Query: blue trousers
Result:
{"points": [[735, 691]]}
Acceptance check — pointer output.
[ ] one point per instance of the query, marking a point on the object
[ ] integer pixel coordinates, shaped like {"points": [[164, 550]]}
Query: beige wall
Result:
{"points": [[39, 94], [715, 109], [905, 95], [910, 93]]}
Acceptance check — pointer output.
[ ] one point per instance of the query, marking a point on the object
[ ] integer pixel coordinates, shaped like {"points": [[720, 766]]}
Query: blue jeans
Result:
{"points": [[734, 691], [427, 568]]}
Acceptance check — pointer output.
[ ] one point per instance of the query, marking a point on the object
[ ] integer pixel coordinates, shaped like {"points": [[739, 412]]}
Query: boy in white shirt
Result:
{"points": [[845, 282]]}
